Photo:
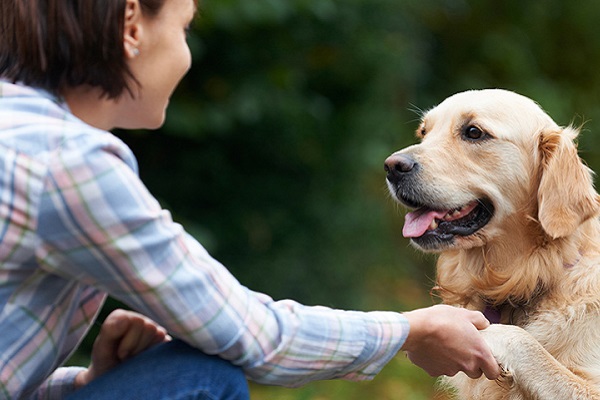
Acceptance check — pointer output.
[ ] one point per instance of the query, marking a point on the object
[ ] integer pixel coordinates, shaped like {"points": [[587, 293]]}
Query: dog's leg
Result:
{"points": [[535, 372]]}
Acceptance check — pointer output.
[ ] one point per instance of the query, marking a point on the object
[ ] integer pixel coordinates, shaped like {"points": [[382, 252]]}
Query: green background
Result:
{"points": [[272, 153]]}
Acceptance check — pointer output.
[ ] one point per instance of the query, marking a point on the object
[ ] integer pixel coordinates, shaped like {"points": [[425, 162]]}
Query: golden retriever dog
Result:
{"points": [[498, 189]]}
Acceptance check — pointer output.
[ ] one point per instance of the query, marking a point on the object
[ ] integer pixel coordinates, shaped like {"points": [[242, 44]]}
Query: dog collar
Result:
{"points": [[492, 314]]}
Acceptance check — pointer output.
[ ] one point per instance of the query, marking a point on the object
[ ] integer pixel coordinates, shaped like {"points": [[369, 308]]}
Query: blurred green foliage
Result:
{"points": [[273, 149]]}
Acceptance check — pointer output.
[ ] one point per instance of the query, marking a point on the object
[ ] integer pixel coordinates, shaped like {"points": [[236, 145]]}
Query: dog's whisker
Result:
{"points": [[416, 109], [482, 204]]}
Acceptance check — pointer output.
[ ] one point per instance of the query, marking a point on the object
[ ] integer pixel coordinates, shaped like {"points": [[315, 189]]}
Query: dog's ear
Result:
{"points": [[566, 195]]}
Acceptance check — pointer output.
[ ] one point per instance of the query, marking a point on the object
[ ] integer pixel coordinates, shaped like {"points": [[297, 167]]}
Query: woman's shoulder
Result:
{"points": [[37, 123]]}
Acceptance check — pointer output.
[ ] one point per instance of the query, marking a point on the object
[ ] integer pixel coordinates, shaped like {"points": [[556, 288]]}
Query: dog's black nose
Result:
{"points": [[397, 166]]}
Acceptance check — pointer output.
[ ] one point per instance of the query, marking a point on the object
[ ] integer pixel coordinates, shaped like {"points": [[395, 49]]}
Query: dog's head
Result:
{"points": [[488, 160]]}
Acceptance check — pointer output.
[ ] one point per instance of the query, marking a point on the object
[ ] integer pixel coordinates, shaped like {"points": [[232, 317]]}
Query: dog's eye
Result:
{"points": [[472, 132]]}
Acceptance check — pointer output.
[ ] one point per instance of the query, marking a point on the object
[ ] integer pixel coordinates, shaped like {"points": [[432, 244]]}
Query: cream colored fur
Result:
{"points": [[537, 260]]}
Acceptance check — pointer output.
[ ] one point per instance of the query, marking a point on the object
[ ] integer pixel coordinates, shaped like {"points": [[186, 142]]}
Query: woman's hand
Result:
{"points": [[122, 335], [444, 340]]}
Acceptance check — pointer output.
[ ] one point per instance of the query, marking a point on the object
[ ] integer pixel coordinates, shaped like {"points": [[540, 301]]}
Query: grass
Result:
{"points": [[399, 380]]}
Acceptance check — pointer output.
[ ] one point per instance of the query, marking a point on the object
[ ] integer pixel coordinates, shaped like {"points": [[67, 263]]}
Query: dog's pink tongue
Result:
{"points": [[417, 222]]}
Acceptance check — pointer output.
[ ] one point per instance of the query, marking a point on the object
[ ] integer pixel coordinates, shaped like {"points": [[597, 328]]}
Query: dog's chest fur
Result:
{"points": [[568, 330]]}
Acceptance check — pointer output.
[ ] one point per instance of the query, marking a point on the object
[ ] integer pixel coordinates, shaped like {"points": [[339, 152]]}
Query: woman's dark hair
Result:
{"points": [[54, 44]]}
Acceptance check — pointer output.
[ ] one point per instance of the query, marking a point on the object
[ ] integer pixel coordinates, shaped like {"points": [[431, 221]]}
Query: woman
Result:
{"points": [[76, 224]]}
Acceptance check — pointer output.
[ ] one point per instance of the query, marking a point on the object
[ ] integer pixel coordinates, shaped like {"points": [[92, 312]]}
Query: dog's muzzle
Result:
{"points": [[433, 224], [402, 171], [398, 166]]}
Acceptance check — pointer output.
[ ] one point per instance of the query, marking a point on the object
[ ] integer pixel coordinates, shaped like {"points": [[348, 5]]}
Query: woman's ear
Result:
{"points": [[566, 195], [133, 31]]}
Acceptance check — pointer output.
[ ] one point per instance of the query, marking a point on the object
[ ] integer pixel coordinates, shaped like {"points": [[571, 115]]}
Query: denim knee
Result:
{"points": [[226, 381], [174, 371]]}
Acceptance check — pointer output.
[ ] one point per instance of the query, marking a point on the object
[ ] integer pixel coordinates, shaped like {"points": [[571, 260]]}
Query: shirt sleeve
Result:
{"points": [[98, 224], [58, 385]]}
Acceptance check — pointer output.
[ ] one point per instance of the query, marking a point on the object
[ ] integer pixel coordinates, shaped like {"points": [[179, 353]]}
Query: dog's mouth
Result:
{"points": [[434, 227]]}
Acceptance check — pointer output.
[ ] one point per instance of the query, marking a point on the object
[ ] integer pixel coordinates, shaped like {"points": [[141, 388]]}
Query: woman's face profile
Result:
{"points": [[160, 60]]}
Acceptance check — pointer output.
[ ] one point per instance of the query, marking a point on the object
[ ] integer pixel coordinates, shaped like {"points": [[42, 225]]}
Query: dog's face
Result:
{"points": [[485, 158]]}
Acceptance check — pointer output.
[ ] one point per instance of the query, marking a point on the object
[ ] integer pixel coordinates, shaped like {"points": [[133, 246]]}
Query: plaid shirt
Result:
{"points": [[76, 223]]}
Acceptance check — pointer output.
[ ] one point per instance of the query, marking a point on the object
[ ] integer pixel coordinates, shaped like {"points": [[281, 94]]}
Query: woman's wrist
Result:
{"points": [[417, 322]]}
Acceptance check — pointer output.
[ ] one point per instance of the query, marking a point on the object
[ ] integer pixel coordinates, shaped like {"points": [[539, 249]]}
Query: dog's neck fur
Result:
{"points": [[512, 270]]}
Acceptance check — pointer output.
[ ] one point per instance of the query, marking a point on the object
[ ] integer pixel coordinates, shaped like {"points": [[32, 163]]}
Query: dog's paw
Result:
{"points": [[510, 345]]}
